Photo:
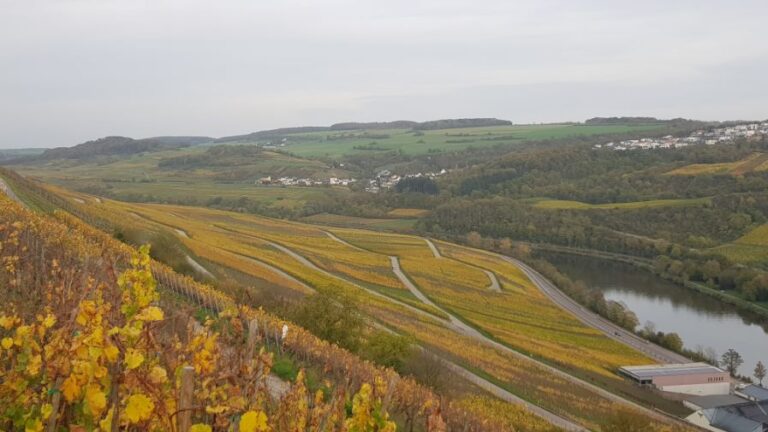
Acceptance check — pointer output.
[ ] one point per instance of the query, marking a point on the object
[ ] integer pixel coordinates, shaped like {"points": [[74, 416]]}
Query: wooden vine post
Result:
{"points": [[186, 393]]}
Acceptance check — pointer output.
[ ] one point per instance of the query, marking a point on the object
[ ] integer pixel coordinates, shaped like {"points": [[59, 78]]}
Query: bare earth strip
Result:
{"points": [[197, 266], [494, 286], [435, 250], [344, 242]]}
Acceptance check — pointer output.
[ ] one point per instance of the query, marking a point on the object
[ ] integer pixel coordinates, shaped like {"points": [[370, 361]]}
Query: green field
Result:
{"points": [[578, 205], [336, 144]]}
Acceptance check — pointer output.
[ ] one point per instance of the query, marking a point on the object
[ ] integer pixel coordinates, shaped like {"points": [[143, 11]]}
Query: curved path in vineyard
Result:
{"points": [[458, 325], [469, 331]]}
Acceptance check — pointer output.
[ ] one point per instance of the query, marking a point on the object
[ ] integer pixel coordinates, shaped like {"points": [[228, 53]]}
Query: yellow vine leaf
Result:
{"points": [[253, 421], [95, 399], [106, 423], [139, 408], [49, 321], [199, 427], [33, 426], [7, 343], [158, 375], [7, 322], [151, 313], [133, 359], [46, 410], [111, 352], [70, 388]]}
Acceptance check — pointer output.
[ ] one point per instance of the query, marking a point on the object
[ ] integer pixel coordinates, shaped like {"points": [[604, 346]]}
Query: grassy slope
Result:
{"points": [[753, 162], [519, 316]]}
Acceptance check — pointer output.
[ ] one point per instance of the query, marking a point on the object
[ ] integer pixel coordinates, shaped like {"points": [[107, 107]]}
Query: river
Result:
{"points": [[701, 321]]}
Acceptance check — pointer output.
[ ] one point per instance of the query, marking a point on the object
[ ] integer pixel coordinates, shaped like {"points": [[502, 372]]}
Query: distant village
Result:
{"points": [[722, 135], [296, 181], [385, 179]]}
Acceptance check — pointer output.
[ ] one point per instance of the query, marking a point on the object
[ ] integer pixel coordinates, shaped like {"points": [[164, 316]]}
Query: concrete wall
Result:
{"points": [[684, 379], [721, 388]]}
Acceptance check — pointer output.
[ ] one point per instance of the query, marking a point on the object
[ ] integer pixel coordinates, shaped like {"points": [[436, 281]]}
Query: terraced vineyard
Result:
{"points": [[752, 163], [750, 248], [471, 307]]}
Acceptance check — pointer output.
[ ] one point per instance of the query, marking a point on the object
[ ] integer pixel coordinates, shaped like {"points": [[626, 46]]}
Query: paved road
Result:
{"points": [[611, 330]]}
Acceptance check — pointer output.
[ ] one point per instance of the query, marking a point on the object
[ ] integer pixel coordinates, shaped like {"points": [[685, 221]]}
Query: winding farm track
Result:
{"points": [[538, 279], [457, 324], [433, 248], [279, 272], [344, 242], [469, 331], [199, 267], [494, 286]]}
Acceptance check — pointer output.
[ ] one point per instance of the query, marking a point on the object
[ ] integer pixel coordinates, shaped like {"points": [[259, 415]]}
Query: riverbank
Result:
{"points": [[647, 264]]}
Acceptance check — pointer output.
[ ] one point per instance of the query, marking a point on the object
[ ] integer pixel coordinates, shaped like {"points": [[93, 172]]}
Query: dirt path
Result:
{"points": [[344, 242], [199, 267], [494, 286], [469, 331], [435, 250], [309, 264], [278, 271], [473, 333]]}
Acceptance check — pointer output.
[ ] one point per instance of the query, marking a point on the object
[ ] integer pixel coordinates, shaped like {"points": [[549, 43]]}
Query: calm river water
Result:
{"points": [[698, 319]]}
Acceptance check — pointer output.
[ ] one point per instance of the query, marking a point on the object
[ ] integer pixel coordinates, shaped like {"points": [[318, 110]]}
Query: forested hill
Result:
{"points": [[398, 124], [118, 145]]}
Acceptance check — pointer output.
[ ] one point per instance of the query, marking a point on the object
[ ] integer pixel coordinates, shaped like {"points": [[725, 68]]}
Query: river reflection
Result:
{"points": [[701, 321]]}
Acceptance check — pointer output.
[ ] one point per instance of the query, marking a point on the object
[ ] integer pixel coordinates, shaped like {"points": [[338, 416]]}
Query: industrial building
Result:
{"points": [[686, 378]]}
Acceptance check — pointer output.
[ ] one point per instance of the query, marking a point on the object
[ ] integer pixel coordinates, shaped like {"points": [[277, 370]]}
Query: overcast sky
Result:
{"points": [[74, 70]]}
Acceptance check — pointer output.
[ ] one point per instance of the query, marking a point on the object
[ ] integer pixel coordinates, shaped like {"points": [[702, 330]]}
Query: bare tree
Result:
{"points": [[731, 360], [760, 372]]}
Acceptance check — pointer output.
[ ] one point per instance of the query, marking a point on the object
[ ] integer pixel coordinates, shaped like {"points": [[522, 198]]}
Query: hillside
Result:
{"points": [[457, 282], [146, 325], [756, 162], [119, 146]]}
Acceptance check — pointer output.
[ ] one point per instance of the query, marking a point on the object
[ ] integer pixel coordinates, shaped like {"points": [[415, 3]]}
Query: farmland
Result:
{"points": [[335, 144], [578, 205], [293, 256], [751, 248], [755, 162]]}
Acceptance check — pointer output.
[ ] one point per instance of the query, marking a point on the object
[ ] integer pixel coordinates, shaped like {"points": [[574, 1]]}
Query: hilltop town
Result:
{"points": [[714, 136]]}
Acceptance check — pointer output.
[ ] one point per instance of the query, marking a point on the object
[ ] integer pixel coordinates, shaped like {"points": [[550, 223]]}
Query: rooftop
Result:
{"points": [[742, 416], [650, 371], [714, 401], [755, 392]]}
